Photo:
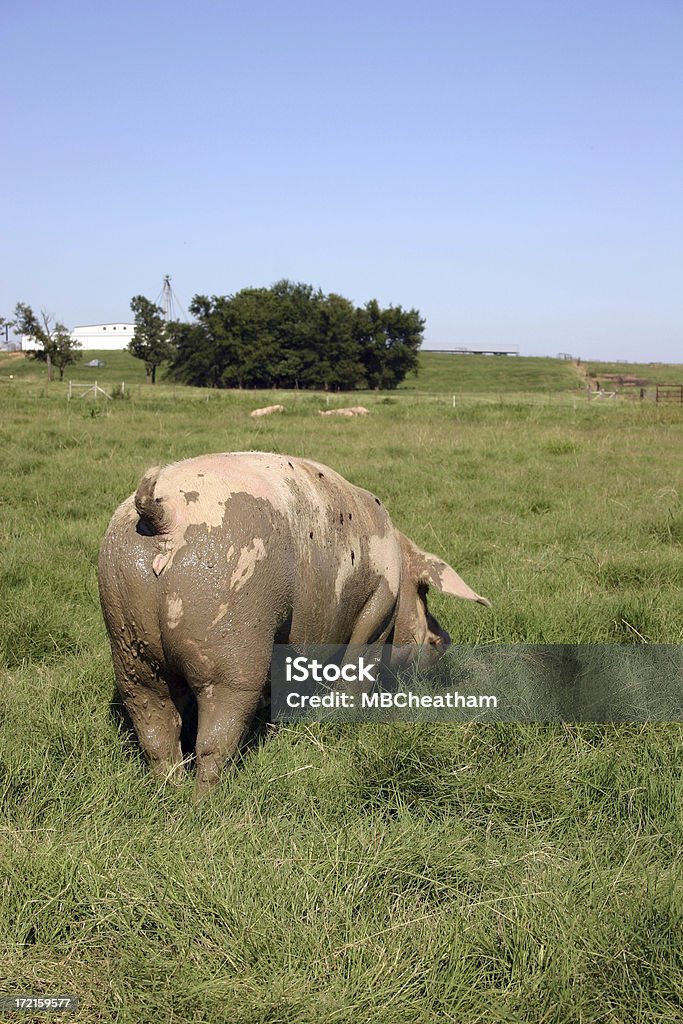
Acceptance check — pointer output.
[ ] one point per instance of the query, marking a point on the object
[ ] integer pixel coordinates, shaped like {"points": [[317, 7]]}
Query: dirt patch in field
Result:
{"points": [[591, 379], [625, 379]]}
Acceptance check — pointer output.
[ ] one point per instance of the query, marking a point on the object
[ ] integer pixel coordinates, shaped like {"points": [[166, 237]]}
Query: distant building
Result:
{"points": [[480, 350], [107, 337]]}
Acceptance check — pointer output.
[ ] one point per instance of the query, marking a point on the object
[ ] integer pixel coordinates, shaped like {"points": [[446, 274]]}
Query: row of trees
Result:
{"points": [[289, 335]]}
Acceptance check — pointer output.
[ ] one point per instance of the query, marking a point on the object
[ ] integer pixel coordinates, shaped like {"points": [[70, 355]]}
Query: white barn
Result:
{"points": [[103, 337], [108, 337]]}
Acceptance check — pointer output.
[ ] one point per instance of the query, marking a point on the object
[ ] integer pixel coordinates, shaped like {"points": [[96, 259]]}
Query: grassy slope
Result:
{"points": [[118, 366], [371, 873], [454, 374], [439, 373], [653, 373]]}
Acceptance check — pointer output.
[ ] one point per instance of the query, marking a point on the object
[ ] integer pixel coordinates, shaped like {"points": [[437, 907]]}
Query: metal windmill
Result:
{"points": [[169, 303]]}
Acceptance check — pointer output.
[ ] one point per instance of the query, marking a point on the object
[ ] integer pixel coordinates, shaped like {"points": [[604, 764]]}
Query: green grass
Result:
{"points": [[653, 373], [500, 375], [361, 873], [440, 373], [118, 366]]}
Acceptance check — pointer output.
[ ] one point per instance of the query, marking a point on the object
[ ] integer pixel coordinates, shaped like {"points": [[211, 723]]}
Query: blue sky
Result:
{"points": [[511, 169]]}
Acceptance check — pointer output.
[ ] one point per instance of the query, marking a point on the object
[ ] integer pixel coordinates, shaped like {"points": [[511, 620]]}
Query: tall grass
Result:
{"points": [[377, 873]]}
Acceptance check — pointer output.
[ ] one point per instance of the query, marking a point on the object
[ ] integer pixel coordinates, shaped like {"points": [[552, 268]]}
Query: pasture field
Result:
{"points": [[493, 375], [118, 366], [440, 373], [462, 873]]}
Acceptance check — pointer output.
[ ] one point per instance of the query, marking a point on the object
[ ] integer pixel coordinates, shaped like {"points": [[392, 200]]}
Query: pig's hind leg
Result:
{"points": [[155, 703], [227, 698]]}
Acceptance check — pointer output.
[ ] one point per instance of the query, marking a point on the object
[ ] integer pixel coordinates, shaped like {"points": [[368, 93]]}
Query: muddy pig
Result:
{"points": [[215, 559]]}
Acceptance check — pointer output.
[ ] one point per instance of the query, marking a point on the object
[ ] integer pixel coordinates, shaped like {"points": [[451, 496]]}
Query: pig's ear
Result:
{"points": [[434, 572], [440, 575]]}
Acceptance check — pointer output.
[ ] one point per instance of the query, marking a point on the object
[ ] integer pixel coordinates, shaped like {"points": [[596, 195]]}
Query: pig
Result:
{"points": [[353, 410], [215, 559], [268, 410]]}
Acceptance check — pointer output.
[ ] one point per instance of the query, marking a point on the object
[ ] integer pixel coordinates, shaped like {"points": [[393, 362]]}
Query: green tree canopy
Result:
{"points": [[151, 342], [58, 348], [389, 339], [292, 335]]}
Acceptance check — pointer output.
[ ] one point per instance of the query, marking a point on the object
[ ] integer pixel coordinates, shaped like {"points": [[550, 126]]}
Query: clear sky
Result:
{"points": [[511, 168]]}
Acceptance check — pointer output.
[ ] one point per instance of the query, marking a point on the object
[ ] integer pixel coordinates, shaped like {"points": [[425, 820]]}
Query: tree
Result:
{"points": [[389, 340], [151, 341], [293, 336], [341, 364], [58, 347]]}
